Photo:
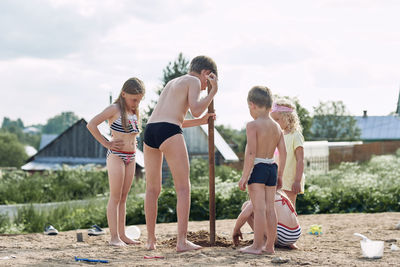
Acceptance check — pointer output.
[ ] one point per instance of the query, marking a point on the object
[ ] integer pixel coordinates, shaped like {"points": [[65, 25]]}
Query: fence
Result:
{"points": [[361, 152]]}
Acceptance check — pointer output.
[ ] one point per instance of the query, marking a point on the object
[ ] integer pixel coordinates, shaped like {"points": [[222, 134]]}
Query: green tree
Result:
{"points": [[333, 122], [173, 70], [60, 123], [12, 152], [235, 138], [16, 127], [7, 122]]}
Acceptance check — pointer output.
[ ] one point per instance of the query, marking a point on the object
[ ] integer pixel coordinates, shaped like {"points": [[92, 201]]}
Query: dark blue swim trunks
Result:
{"points": [[157, 132], [264, 173]]}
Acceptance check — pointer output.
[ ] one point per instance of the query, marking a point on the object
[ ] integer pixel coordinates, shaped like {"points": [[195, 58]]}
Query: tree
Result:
{"points": [[235, 138], [333, 122], [7, 123], [173, 70], [12, 152], [17, 128], [60, 123]]}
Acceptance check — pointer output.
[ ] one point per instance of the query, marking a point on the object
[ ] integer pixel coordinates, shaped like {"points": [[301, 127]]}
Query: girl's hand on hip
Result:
{"points": [[115, 144]]}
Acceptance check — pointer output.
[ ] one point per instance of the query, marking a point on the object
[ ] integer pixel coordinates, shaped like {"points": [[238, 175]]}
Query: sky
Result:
{"points": [[70, 55]]}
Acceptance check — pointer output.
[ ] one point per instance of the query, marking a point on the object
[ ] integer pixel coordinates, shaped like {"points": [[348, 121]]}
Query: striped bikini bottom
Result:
{"points": [[287, 236], [126, 157]]}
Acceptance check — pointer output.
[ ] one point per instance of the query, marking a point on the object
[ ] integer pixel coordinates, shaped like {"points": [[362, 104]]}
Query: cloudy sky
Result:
{"points": [[68, 55]]}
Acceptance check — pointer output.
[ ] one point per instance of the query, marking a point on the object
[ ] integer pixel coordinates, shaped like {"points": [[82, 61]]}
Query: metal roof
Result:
{"points": [[223, 147], [46, 139], [379, 127], [55, 163]]}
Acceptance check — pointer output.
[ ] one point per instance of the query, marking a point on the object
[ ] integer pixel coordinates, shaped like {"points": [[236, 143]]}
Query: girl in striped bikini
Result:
{"points": [[288, 230], [123, 118]]}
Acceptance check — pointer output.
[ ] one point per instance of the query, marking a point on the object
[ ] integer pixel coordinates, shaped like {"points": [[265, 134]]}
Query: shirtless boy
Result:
{"points": [[260, 172], [163, 136]]}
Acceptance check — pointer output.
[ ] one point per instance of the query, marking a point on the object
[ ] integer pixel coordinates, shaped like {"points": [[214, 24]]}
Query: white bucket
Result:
{"points": [[371, 249], [133, 232]]}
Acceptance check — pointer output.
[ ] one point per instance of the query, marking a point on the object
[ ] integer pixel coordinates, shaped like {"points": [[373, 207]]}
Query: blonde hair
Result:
{"points": [[290, 117], [260, 96], [132, 86]]}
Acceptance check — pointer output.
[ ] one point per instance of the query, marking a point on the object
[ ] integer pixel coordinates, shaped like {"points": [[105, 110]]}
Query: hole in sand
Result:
{"points": [[201, 238]]}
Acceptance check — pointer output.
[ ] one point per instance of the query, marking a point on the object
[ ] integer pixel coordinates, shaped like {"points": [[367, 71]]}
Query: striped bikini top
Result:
{"points": [[132, 125]]}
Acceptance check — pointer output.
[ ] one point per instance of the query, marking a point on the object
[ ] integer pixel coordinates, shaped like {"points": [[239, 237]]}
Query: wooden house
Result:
{"points": [[74, 147]]}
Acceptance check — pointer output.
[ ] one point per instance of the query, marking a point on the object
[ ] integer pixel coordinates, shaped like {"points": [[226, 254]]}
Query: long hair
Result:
{"points": [[132, 86], [291, 118]]}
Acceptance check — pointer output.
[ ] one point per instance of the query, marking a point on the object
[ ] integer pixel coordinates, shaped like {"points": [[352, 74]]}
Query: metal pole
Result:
{"points": [[211, 163]]}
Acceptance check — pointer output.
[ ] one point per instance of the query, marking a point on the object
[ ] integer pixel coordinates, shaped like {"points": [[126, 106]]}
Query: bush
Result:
{"points": [[352, 187], [64, 185], [369, 187]]}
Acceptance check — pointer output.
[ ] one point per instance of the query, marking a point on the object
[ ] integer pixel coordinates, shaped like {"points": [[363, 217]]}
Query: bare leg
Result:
{"points": [[257, 196], [250, 222], [153, 165], [292, 196], [129, 175], [176, 155], [116, 172], [272, 220]]}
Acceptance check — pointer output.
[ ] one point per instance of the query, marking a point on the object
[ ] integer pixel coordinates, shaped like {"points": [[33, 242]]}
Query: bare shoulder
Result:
{"points": [[190, 80], [112, 111], [251, 126], [113, 108]]}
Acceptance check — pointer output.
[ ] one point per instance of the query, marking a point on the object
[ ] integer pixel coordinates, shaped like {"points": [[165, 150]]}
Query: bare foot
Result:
{"points": [[268, 251], [251, 250], [187, 246], [151, 243], [293, 246], [129, 241], [117, 242]]}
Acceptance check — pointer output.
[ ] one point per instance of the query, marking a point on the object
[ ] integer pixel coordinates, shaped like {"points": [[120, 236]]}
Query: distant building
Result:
{"points": [[196, 139], [74, 147], [379, 128], [30, 151], [31, 130]]}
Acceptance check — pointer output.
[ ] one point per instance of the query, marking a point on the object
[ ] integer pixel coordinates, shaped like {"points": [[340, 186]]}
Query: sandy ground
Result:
{"points": [[335, 247]]}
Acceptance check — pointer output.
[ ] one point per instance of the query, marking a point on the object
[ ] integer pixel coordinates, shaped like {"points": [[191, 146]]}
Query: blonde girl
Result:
{"points": [[123, 119], [284, 112]]}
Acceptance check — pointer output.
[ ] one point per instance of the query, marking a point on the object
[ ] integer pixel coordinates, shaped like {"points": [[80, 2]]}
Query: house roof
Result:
{"points": [[379, 127], [46, 139], [38, 162], [226, 151]]}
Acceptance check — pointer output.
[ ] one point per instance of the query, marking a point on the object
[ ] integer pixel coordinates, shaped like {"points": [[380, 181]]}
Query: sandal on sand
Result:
{"points": [[50, 230], [95, 231]]}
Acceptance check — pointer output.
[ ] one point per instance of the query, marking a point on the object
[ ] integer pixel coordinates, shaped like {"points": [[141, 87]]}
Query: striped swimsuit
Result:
{"points": [[133, 127], [287, 236]]}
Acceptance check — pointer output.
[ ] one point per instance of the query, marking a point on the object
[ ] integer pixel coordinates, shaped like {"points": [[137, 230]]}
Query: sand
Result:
{"points": [[337, 246]]}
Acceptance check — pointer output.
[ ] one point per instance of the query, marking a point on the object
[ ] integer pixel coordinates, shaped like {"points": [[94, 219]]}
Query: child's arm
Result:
{"points": [[240, 221], [197, 122], [197, 106], [250, 154], [299, 154], [99, 118], [282, 159]]}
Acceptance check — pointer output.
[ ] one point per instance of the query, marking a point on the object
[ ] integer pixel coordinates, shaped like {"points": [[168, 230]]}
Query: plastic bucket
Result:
{"points": [[372, 249]]}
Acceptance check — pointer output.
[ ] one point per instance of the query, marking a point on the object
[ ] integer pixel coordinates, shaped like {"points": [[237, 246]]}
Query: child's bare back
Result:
{"points": [[268, 135]]}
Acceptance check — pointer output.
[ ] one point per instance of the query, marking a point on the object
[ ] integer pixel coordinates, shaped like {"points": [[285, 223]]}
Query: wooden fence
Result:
{"points": [[361, 152]]}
